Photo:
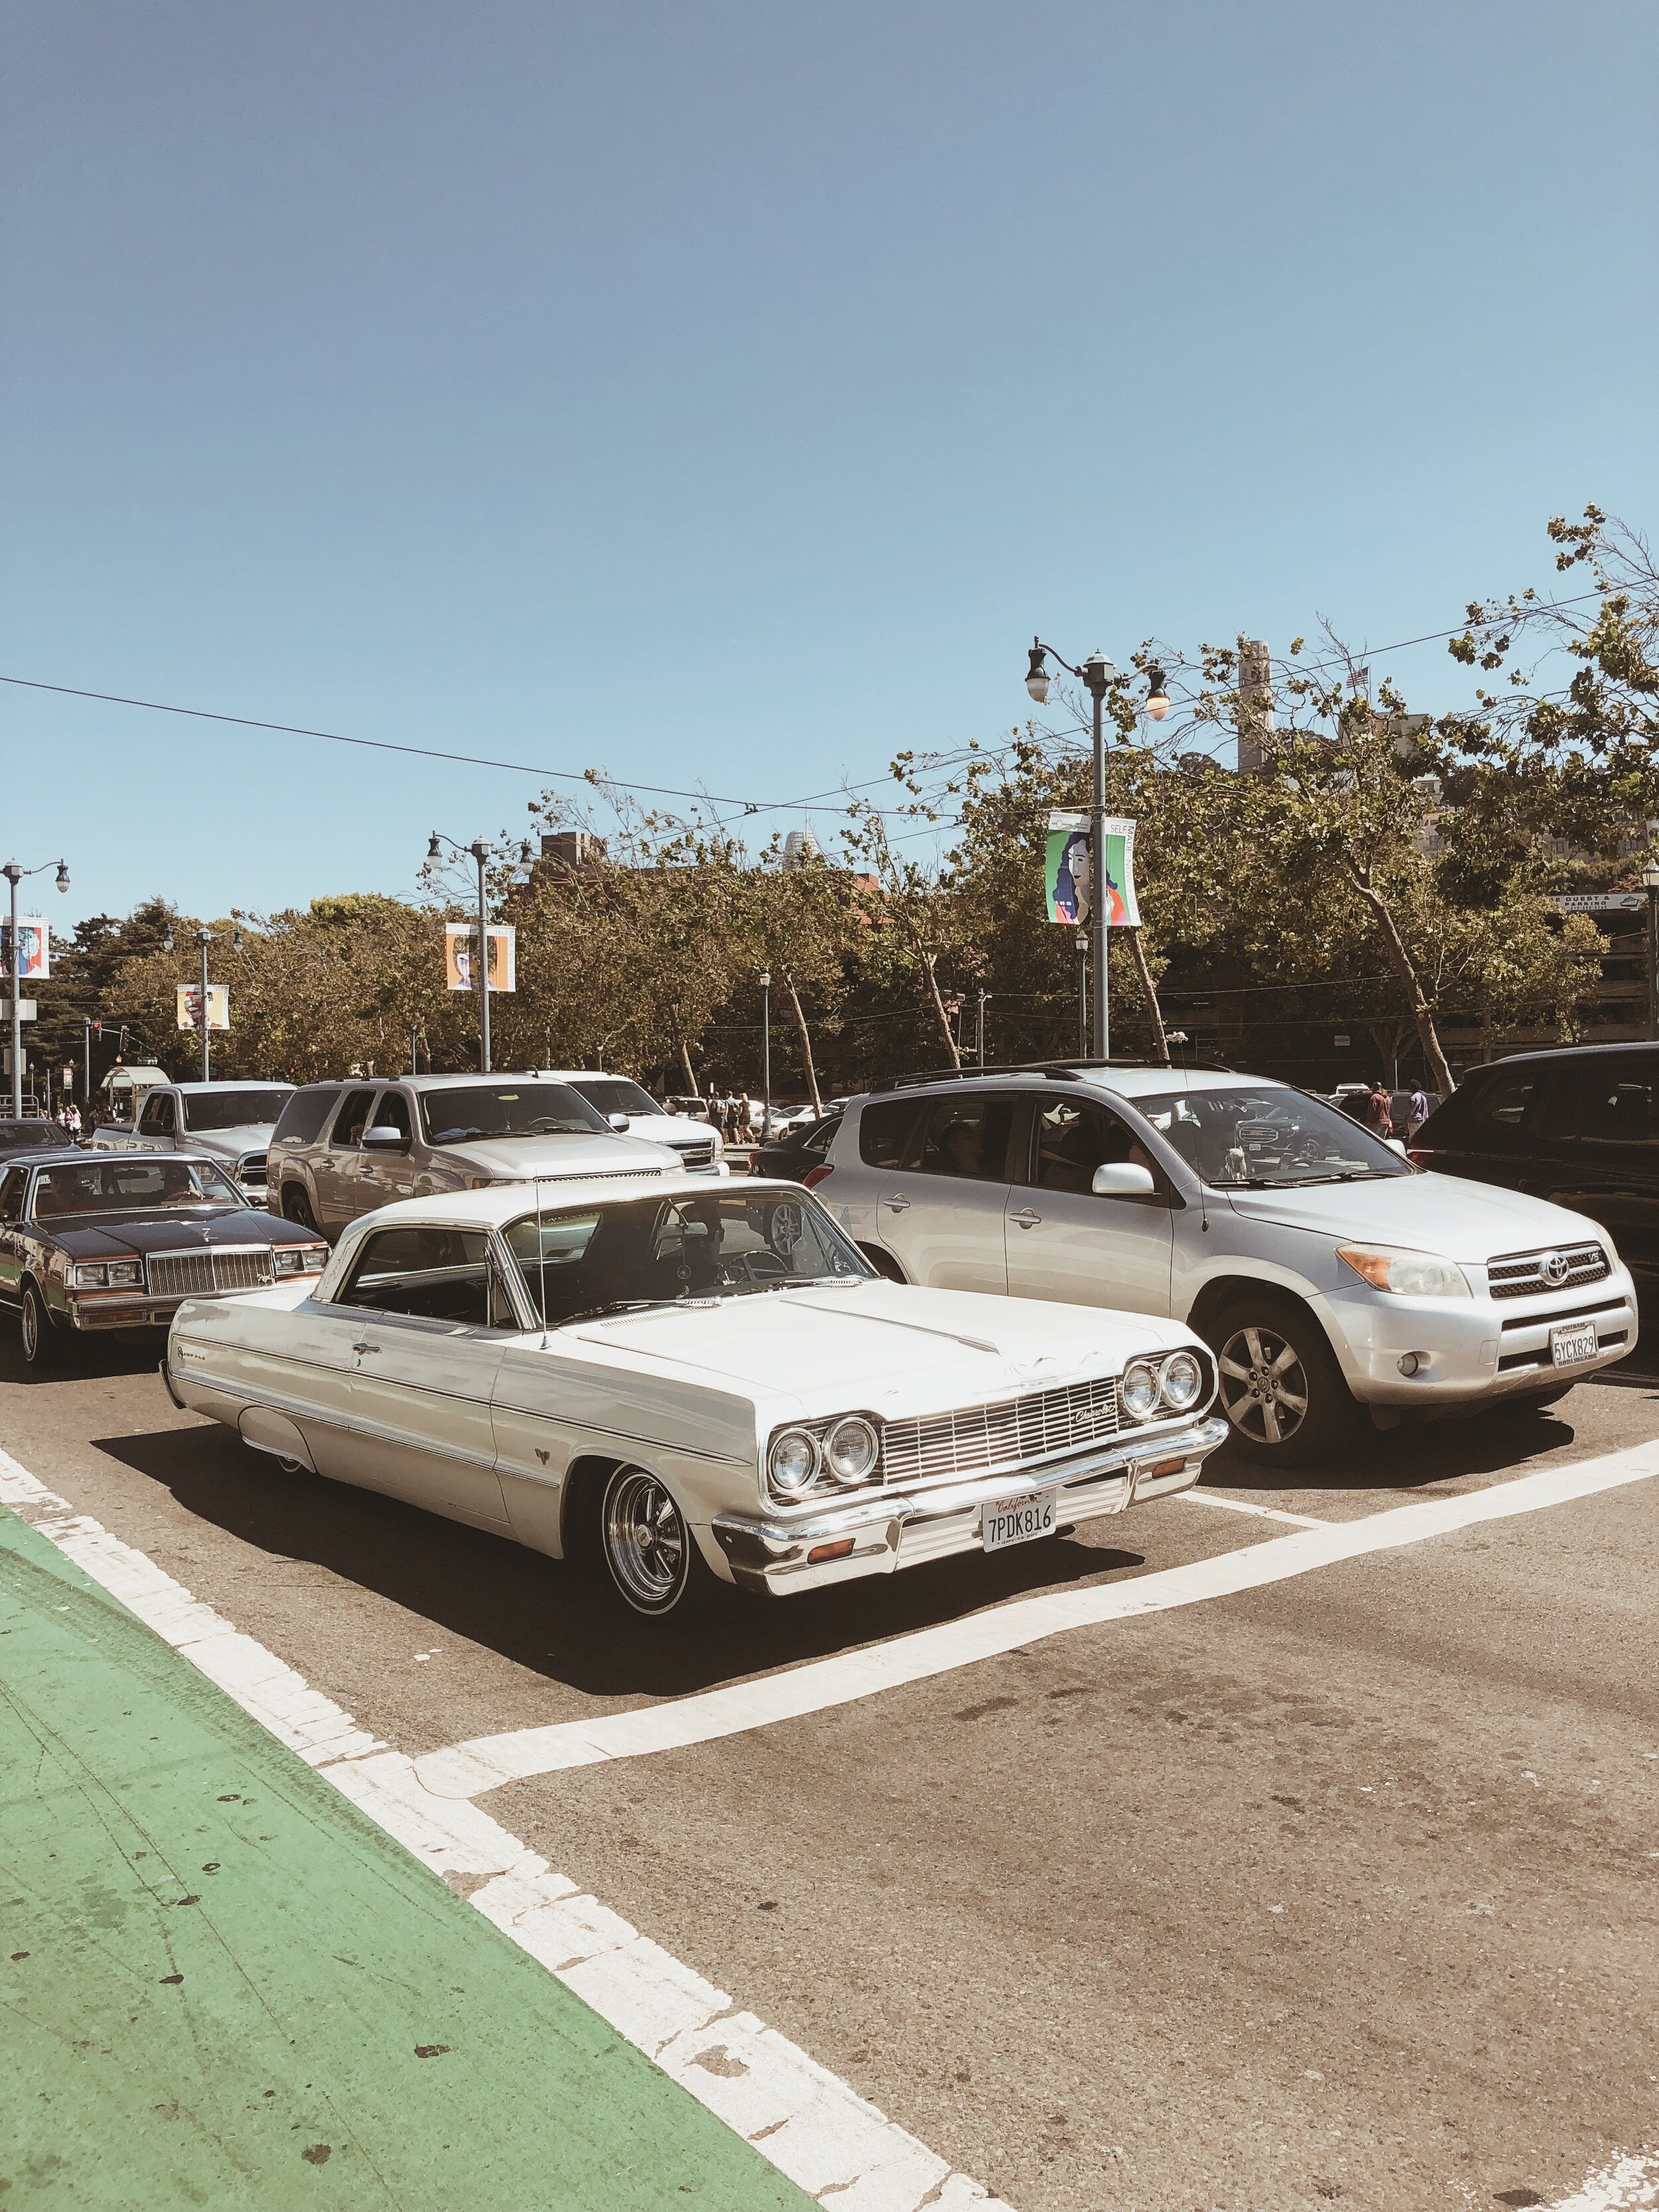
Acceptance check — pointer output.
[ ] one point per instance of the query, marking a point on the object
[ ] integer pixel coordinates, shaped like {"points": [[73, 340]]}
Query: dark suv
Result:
{"points": [[1580, 1126]]}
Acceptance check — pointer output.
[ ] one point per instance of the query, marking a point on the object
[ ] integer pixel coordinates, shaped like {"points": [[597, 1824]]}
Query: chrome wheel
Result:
{"points": [[647, 1546], [35, 1329], [1264, 1385]]}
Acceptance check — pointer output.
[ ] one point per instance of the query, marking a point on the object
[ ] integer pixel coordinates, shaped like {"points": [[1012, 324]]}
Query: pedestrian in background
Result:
{"points": [[1417, 1113], [1379, 1110]]}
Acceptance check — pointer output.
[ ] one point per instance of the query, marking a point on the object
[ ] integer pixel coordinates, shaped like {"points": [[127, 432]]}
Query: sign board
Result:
{"points": [[459, 940], [188, 1009], [1068, 870], [33, 948], [1342, 1040], [24, 1010], [1598, 901]]}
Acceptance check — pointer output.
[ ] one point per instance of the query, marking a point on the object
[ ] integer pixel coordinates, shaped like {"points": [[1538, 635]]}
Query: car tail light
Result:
{"points": [[1418, 1155], [814, 1177]]}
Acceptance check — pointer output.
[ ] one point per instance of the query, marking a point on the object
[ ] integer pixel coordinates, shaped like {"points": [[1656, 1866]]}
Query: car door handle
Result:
{"points": [[895, 1205], [368, 1347], [1026, 1218]]}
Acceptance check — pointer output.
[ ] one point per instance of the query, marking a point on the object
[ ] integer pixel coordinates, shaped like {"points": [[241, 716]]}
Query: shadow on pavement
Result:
{"points": [[556, 1617]]}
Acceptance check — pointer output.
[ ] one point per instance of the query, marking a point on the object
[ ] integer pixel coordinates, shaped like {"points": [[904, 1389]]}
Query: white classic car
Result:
{"points": [[706, 1384]]}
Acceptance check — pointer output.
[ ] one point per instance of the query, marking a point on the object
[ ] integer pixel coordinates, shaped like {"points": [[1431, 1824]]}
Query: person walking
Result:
{"points": [[1379, 1110], [72, 1120], [1417, 1112]]}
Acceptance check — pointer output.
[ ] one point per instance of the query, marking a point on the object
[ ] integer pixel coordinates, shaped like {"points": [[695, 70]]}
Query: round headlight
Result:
{"points": [[1182, 1380], [1139, 1391], [794, 1462], [852, 1450]]}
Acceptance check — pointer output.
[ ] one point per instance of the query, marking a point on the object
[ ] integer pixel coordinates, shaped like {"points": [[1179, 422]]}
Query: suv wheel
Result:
{"points": [[296, 1207], [37, 1329], [1281, 1388]]}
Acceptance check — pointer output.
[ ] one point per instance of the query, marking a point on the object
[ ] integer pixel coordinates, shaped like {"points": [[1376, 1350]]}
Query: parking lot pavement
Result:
{"points": [[1333, 1888]]}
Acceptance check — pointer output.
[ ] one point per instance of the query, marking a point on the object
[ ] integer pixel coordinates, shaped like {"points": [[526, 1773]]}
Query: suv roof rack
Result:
{"points": [[1057, 1071]]}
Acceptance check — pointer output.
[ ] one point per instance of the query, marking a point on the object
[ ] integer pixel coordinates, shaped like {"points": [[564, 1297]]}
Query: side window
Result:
{"points": [[304, 1116], [1072, 1138], [439, 1274], [966, 1136], [1608, 1098], [353, 1117], [1504, 1103], [817, 1141], [157, 1119], [11, 1193], [392, 1113], [883, 1125]]}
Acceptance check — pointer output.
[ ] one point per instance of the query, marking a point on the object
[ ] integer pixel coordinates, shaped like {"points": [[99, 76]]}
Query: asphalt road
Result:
{"points": [[1340, 1889]]}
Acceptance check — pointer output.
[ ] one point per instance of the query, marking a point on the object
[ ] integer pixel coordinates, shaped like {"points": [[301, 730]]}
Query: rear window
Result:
{"points": [[305, 1114], [1504, 1102], [883, 1127], [205, 1111]]}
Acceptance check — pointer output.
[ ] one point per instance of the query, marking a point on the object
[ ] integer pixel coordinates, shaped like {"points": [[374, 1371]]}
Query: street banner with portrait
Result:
{"points": [[188, 1006], [1068, 871], [33, 948], [460, 939]]}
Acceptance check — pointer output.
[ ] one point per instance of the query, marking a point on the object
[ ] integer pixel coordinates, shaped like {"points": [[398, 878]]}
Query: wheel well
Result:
{"points": [[579, 1511], [1216, 1296], [883, 1263]]}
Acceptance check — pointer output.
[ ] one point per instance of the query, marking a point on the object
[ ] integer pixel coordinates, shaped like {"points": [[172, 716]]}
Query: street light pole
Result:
{"points": [[482, 854], [203, 939], [1650, 885], [1095, 675], [15, 875], [766, 1055]]}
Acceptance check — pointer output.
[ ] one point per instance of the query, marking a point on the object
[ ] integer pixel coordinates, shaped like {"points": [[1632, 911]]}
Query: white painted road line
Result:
{"points": [[1261, 1512], [805, 2121], [467, 1770], [1629, 2185]]}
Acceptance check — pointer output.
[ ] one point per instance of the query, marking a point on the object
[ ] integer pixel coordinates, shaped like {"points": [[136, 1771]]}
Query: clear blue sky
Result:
{"points": [[727, 392]]}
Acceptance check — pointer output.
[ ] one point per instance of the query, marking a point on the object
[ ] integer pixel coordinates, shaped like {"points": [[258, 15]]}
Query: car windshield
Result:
{"points": [[1265, 1136], [615, 1094], [130, 1185], [231, 1109], [508, 1109], [25, 1136], [643, 1252]]}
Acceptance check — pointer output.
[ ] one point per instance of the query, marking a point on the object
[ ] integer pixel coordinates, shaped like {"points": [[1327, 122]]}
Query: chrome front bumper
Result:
{"points": [[890, 1529]]}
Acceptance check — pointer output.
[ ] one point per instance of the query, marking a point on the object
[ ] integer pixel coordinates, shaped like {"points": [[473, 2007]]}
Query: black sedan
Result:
{"points": [[117, 1240], [796, 1155], [32, 1135]]}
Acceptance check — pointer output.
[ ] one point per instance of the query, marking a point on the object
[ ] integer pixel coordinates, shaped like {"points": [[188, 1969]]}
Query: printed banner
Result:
{"points": [[1068, 870], [188, 1006], [33, 948], [459, 940]]}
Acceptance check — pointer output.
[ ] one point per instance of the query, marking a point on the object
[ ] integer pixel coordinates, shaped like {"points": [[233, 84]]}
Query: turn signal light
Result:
{"points": [[819, 1553], [1153, 1467]]}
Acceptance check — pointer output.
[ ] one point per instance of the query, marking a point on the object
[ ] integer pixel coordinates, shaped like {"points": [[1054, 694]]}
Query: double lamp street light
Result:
{"points": [[1096, 676], [482, 854]]}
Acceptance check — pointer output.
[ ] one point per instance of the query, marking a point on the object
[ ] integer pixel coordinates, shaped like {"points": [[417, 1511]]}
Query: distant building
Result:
{"points": [[799, 846]]}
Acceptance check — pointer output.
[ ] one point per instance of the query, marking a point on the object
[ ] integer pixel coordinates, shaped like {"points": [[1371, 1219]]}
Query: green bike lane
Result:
{"points": [[223, 1986]]}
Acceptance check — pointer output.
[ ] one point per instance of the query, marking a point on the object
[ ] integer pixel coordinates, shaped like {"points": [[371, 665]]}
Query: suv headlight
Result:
{"points": [[793, 1462], [1407, 1274]]}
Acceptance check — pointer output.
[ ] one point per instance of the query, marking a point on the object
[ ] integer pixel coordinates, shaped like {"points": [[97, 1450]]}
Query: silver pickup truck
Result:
{"points": [[231, 1122]]}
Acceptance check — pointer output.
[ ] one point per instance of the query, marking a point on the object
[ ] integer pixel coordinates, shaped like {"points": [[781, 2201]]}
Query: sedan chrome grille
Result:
{"points": [[1017, 1429], [203, 1273], [1557, 1268]]}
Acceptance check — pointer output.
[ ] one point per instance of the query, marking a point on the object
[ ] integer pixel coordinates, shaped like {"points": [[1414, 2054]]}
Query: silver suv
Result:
{"points": [[342, 1149], [1326, 1271]]}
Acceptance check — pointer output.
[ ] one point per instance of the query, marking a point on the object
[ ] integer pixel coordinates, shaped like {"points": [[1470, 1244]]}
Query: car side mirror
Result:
{"points": [[1122, 1179], [618, 1122], [384, 1140]]}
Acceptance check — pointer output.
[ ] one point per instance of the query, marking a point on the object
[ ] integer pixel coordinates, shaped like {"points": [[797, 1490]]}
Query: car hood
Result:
{"points": [[1468, 1222], [253, 1137], [523, 1159], [887, 1346], [113, 1235]]}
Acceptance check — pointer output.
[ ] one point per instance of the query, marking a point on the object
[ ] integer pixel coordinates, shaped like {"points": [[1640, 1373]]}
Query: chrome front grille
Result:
{"points": [[1530, 1275], [1015, 1430], [250, 1169], [696, 1155], [204, 1273]]}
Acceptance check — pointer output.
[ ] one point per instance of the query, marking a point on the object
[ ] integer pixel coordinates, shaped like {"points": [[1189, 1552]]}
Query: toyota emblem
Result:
{"points": [[1555, 1268]]}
